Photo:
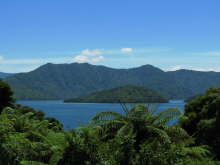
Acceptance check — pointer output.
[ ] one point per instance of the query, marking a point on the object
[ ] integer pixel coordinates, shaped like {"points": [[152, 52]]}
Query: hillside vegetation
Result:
{"points": [[124, 94], [63, 81]]}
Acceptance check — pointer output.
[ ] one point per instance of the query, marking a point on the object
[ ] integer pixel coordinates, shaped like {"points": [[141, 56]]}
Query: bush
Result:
{"points": [[202, 119], [6, 95]]}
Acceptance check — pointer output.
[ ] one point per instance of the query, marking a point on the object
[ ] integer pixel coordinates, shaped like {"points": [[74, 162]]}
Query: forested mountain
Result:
{"points": [[196, 81], [124, 94], [62, 81], [3, 75]]}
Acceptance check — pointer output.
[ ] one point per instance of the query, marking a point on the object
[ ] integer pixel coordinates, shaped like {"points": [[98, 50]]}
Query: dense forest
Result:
{"points": [[63, 81], [124, 94], [139, 136]]}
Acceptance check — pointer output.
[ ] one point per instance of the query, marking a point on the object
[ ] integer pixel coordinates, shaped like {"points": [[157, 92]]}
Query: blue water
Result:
{"points": [[72, 115]]}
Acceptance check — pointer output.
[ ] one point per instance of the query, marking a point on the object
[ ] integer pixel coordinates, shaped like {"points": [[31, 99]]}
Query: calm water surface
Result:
{"points": [[73, 114]]}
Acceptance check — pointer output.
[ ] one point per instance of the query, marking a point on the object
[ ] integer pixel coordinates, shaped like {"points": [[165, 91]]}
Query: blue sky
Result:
{"points": [[169, 34]]}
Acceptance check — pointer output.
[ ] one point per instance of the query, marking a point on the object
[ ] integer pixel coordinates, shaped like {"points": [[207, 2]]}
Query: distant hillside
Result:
{"points": [[62, 81], [125, 94], [4, 75], [196, 82]]}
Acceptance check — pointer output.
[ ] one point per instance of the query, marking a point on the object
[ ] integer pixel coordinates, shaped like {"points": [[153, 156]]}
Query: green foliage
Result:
{"points": [[24, 138], [31, 163], [143, 135], [83, 147], [6, 95], [202, 119], [139, 136], [124, 94]]}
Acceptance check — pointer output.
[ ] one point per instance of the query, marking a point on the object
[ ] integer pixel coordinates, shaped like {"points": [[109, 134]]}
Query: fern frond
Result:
{"points": [[159, 133], [125, 130], [197, 152], [165, 116], [107, 115]]}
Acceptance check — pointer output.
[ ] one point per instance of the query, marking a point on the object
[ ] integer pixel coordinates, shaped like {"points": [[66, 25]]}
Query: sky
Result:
{"points": [[169, 34]]}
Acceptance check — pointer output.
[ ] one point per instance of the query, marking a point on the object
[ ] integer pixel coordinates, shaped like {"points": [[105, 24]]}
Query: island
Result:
{"points": [[123, 94]]}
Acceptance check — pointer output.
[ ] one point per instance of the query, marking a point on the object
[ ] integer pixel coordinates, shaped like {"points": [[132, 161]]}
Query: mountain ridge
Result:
{"points": [[61, 81], [4, 75]]}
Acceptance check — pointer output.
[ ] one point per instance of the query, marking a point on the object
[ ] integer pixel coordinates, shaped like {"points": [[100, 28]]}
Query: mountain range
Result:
{"points": [[4, 75], [63, 81]]}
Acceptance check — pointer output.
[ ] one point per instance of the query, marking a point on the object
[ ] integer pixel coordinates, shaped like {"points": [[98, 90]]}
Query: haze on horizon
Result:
{"points": [[168, 34]]}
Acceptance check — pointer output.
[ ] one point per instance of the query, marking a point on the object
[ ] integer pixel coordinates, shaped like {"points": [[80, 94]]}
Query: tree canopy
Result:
{"points": [[6, 95], [202, 119]]}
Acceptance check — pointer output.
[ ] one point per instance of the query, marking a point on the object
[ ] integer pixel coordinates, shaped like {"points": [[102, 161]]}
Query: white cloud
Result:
{"points": [[204, 69], [25, 65], [154, 50], [27, 61], [87, 55], [207, 69], [213, 53], [81, 59], [209, 53], [126, 50], [94, 52], [17, 68], [28, 64], [1, 58], [97, 59], [174, 68]]}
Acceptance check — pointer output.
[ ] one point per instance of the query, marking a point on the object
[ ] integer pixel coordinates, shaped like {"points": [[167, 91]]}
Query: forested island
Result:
{"points": [[139, 136], [123, 94]]}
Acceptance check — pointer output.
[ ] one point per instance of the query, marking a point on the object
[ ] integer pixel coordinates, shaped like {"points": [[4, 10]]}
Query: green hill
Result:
{"points": [[125, 94], [63, 81]]}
